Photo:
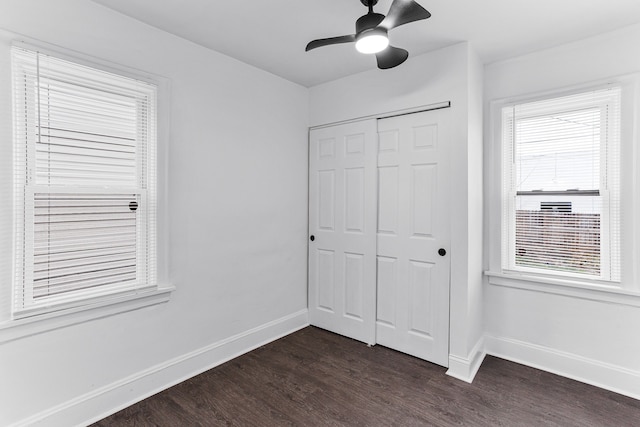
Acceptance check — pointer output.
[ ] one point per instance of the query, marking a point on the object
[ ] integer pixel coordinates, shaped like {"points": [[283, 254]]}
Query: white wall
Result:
{"points": [[237, 204], [568, 331], [425, 79], [450, 74]]}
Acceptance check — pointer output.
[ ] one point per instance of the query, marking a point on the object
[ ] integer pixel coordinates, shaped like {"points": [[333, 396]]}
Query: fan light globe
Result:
{"points": [[372, 42]]}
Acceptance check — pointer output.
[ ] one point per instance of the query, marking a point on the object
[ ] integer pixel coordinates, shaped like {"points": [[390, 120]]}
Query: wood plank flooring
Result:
{"points": [[316, 378]]}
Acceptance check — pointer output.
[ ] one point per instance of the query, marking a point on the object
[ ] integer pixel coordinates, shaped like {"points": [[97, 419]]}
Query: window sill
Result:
{"points": [[15, 329], [565, 287]]}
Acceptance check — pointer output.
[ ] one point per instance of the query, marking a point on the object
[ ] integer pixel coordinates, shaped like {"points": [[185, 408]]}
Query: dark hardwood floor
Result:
{"points": [[316, 378]]}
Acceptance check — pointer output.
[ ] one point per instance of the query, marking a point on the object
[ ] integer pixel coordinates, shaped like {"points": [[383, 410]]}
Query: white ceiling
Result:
{"points": [[272, 34]]}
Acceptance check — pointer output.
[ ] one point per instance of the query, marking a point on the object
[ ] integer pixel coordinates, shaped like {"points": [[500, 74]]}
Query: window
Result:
{"points": [[84, 184], [561, 189]]}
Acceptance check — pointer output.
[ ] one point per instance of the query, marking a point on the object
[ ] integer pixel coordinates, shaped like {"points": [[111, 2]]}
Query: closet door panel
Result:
{"points": [[413, 206], [342, 221]]}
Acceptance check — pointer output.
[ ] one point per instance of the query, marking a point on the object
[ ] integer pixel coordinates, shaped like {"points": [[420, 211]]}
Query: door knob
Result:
{"points": [[312, 238], [442, 252]]}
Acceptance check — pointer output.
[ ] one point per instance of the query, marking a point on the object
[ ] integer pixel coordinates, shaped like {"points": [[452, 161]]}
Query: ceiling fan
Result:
{"points": [[371, 32]]}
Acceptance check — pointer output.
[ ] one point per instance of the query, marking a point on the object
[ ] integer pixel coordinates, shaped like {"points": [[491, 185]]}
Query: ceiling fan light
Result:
{"points": [[373, 41]]}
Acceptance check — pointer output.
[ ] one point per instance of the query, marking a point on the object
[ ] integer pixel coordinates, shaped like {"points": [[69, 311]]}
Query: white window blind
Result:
{"points": [[84, 183], [561, 189]]}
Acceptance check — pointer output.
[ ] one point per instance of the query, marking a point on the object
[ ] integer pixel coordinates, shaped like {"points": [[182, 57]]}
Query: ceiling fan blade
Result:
{"points": [[391, 57], [331, 40], [402, 12]]}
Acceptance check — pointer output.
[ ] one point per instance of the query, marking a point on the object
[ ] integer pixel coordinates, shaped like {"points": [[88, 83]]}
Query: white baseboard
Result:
{"points": [[111, 398], [589, 371], [466, 368]]}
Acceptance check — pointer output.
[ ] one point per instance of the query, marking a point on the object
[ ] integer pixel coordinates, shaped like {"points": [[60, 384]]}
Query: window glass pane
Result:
{"points": [[558, 152], [85, 137], [83, 241], [559, 233]]}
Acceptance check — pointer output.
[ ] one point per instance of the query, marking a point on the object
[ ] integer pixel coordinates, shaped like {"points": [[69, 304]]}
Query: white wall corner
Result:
{"points": [[594, 372], [466, 368], [104, 401]]}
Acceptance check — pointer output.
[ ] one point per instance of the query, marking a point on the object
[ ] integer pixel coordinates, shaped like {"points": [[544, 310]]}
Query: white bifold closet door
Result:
{"points": [[342, 226], [379, 224]]}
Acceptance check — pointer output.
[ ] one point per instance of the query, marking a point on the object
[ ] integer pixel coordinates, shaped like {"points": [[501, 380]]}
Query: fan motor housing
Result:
{"points": [[366, 2], [368, 21]]}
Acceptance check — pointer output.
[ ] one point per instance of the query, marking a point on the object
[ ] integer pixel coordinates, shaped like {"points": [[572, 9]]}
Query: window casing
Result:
{"points": [[561, 186], [84, 184]]}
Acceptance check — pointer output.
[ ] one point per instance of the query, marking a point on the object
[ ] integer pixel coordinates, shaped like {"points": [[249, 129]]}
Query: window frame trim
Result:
{"points": [[509, 121], [12, 328], [29, 187], [34, 324], [630, 156], [569, 287]]}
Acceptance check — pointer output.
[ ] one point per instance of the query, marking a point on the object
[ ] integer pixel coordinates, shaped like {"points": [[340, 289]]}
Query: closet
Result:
{"points": [[379, 232]]}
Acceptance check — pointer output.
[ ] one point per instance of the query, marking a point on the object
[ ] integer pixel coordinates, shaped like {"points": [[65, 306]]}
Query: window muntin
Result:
{"points": [[84, 151], [561, 186]]}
